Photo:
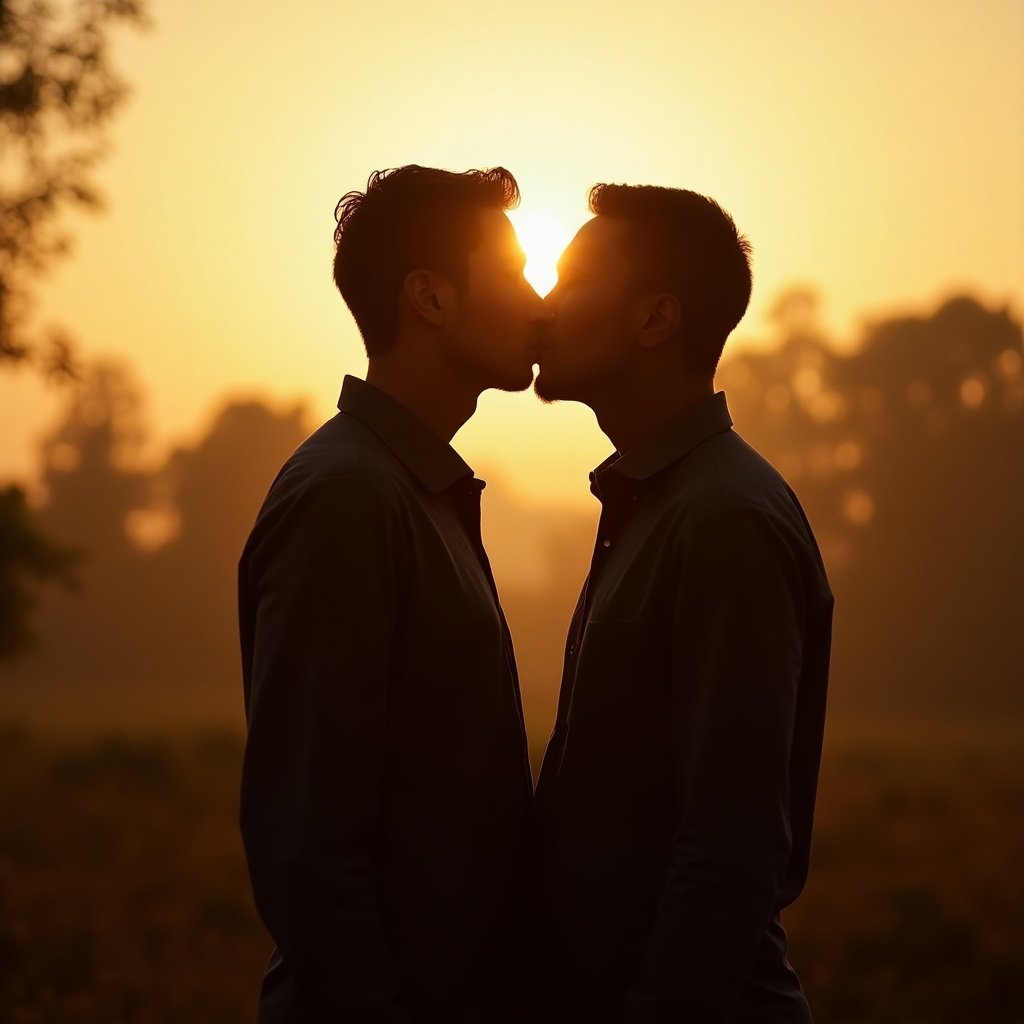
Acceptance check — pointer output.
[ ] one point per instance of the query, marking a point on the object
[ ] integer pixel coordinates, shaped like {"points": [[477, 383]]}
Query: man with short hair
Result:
{"points": [[386, 787], [675, 799]]}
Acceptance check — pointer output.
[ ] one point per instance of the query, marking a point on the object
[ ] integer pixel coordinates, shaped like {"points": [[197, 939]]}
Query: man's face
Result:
{"points": [[495, 332], [588, 347]]}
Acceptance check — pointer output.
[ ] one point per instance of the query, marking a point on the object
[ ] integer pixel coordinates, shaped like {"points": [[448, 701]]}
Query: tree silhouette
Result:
{"points": [[905, 452], [93, 482], [58, 92], [215, 488], [907, 455], [24, 555], [156, 618]]}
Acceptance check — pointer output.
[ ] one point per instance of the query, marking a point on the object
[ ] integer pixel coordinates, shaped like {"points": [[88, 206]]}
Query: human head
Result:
{"points": [[654, 283], [433, 249]]}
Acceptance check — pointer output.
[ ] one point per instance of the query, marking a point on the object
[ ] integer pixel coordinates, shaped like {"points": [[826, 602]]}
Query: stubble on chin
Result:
{"points": [[541, 390], [514, 387]]}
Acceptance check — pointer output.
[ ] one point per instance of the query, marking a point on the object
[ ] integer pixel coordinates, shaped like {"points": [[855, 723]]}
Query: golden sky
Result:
{"points": [[874, 149]]}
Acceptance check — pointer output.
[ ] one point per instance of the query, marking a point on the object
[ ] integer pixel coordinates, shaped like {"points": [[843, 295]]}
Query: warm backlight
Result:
{"points": [[543, 236]]}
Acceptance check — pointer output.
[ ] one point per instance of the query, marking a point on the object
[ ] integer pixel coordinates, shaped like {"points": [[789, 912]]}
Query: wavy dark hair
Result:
{"points": [[685, 243], [409, 218]]}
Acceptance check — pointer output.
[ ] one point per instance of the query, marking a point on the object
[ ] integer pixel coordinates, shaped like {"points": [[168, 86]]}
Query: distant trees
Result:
{"points": [[90, 461], [156, 614], [24, 552], [58, 92], [908, 455]]}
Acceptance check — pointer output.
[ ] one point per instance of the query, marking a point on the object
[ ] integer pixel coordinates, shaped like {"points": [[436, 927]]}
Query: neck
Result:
{"points": [[435, 394], [630, 417]]}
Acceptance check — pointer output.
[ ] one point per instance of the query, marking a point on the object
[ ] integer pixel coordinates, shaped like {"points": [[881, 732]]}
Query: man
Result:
{"points": [[675, 799], [386, 788]]}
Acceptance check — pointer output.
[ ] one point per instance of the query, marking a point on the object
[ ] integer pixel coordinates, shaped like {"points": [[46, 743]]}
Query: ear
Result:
{"points": [[428, 295], [660, 317]]}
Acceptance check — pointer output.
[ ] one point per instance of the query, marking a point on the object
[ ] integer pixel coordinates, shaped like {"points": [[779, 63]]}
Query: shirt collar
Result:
{"points": [[695, 424], [432, 460]]}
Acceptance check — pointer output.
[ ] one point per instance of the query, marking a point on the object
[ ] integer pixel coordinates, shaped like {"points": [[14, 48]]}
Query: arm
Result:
{"points": [[323, 597], [736, 660]]}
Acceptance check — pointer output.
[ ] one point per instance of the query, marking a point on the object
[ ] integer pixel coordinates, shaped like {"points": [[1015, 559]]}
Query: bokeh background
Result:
{"points": [[154, 374]]}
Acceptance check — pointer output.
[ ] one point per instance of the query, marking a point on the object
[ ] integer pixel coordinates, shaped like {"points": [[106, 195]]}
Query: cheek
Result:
{"points": [[587, 326], [493, 307]]}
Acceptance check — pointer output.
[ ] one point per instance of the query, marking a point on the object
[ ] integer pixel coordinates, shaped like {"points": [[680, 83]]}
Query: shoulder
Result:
{"points": [[341, 477], [725, 475], [726, 493], [341, 452]]}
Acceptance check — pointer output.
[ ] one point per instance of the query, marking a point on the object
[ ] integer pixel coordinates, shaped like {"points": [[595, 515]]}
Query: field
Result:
{"points": [[124, 897]]}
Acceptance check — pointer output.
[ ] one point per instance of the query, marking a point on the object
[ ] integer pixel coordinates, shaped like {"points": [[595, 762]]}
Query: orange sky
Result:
{"points": [[874, 149]]}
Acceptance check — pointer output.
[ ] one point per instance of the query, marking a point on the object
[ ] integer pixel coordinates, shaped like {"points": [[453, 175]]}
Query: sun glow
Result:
{"points": [[543, 236]]}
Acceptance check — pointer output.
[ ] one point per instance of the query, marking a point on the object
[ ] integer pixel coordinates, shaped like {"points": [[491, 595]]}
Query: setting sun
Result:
{"points": [[543, 236]]}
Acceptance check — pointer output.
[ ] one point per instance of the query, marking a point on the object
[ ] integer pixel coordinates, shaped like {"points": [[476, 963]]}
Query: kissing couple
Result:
{"points": [[403, 862]]}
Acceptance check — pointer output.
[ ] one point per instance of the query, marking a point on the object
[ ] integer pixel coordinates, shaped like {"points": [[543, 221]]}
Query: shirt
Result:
{"points": [[386, 787], [675, 800]]}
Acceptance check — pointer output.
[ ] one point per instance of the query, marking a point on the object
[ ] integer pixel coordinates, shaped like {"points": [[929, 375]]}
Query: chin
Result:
{"points": [[513, 381], [547, 389]]}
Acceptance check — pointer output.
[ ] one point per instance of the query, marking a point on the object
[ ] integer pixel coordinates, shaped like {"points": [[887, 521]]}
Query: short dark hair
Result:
{"points": [[408, 218], [686, 243]]}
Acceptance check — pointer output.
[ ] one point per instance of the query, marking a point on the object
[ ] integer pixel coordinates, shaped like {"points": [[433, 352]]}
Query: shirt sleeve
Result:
{"points": [[738, 624], [323, 596]]}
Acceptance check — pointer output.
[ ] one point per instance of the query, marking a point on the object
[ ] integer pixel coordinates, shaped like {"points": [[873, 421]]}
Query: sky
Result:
{"points": [[874, 150]]}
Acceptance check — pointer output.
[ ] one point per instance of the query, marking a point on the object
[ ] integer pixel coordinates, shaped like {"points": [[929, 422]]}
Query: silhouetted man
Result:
{"points": [[675, 800], [386, 789]]}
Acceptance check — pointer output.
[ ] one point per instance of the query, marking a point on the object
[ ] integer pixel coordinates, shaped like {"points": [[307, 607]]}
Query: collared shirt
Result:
{"points": [[676, 794], [386, 786]]}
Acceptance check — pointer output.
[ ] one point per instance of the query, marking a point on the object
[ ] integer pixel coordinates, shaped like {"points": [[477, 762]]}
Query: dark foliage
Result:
{"points": [[25, 555], [58, 92]]}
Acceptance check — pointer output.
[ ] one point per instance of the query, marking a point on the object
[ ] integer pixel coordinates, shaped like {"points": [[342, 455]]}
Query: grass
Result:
{"points": [[124, 895]]}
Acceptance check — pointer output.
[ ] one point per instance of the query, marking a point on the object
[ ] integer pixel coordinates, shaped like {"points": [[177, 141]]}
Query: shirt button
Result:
{"points": [[606, 543], [572, 650]]}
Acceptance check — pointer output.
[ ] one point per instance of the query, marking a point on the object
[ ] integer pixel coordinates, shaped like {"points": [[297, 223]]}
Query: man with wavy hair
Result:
{"points": [[386, 788], [675, 800]]}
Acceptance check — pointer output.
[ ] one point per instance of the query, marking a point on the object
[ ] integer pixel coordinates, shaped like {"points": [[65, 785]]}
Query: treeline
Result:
{"points": [[909, 457], [908, 454]]}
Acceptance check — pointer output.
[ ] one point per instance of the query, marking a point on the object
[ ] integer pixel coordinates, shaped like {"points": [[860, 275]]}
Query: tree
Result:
{"points": [[58, 92], [24, 554], [157, 617], [91, 471], [906, 454]]}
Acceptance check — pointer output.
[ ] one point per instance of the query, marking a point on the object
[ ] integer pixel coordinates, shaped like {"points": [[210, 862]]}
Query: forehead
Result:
{"points": [[497, 236], [600, 244]]}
